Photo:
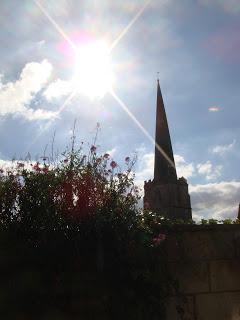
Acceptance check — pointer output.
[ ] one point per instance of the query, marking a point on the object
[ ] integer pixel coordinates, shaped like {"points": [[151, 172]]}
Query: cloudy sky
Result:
{"points": [[97, 62]]}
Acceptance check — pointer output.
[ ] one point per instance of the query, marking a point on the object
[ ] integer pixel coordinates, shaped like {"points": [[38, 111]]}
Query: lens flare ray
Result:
{"points": [[141, 127], [131, 23], [114, 95], [69, 98], [56, 26]]}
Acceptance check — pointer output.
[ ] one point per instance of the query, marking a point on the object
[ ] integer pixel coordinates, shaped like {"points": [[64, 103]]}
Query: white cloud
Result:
{"points": [[222, 149], [112, 152], [208, 170], [6, 164], [146, 166], [41, 43], [215, 200], [12, 165], [40, 114], [57, 89], [184, 169], [212, 200], [1, 79], [145, 170], [213, 109], [15, 97]]}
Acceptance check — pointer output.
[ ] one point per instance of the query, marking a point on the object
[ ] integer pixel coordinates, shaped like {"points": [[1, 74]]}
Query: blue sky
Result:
{"points": [[193, 44]]}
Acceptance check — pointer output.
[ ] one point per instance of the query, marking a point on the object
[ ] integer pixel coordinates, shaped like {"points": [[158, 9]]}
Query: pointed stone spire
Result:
{"points": [[164, 166], [166, 194]]}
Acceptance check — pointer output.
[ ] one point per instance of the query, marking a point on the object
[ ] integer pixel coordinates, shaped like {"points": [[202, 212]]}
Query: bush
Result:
{"points": [[75, 242]]}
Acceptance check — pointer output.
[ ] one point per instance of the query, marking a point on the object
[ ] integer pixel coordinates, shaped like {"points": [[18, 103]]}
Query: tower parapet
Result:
{"points": [[171, 200]]}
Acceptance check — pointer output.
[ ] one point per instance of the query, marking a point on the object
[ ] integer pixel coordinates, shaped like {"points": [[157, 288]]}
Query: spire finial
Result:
{"points": [[158, 76]]}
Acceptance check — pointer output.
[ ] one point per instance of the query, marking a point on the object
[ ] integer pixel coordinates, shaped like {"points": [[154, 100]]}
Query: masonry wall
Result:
{"points": [[206, 262], [204, 259]]}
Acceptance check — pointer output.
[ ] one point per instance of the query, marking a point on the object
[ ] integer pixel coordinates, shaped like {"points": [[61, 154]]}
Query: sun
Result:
{"points": [[93, 75]]}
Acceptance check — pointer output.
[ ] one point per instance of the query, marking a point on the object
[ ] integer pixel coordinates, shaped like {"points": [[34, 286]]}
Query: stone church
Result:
{"points": [[166, 194]]}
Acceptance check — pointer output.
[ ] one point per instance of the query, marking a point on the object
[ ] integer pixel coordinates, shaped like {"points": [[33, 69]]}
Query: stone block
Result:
{"points": [[207, 245], [192, 277], [187, 306], [220, 306], [225, 275]]}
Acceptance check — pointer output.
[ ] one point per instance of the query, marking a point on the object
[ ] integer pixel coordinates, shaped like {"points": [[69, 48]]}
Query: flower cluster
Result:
{"points": [[82, 214], [78, 187], [159, 239]]}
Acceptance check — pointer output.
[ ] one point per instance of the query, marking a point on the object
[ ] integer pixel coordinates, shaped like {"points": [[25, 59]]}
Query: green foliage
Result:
{"points": [[215, 221], [75, 234], [74, 242]]}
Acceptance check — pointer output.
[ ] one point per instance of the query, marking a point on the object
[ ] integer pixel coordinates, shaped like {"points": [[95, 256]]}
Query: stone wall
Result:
{"points": [[206, 262], [204, 259]]}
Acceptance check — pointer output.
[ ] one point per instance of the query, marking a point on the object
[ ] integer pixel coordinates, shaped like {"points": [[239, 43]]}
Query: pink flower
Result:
{"points": [[20, 165], [106, 155], [98, 160], [45, 169], [36, 167], [113, 164], [93, 149], [159, 238]]}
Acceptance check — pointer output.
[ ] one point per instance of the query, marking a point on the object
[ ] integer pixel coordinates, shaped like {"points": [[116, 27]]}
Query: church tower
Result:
{"points": [[166, 194]]}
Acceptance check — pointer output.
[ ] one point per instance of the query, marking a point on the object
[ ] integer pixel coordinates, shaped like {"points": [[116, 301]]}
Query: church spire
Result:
{"points": [[165, 194], [164, 166]]}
